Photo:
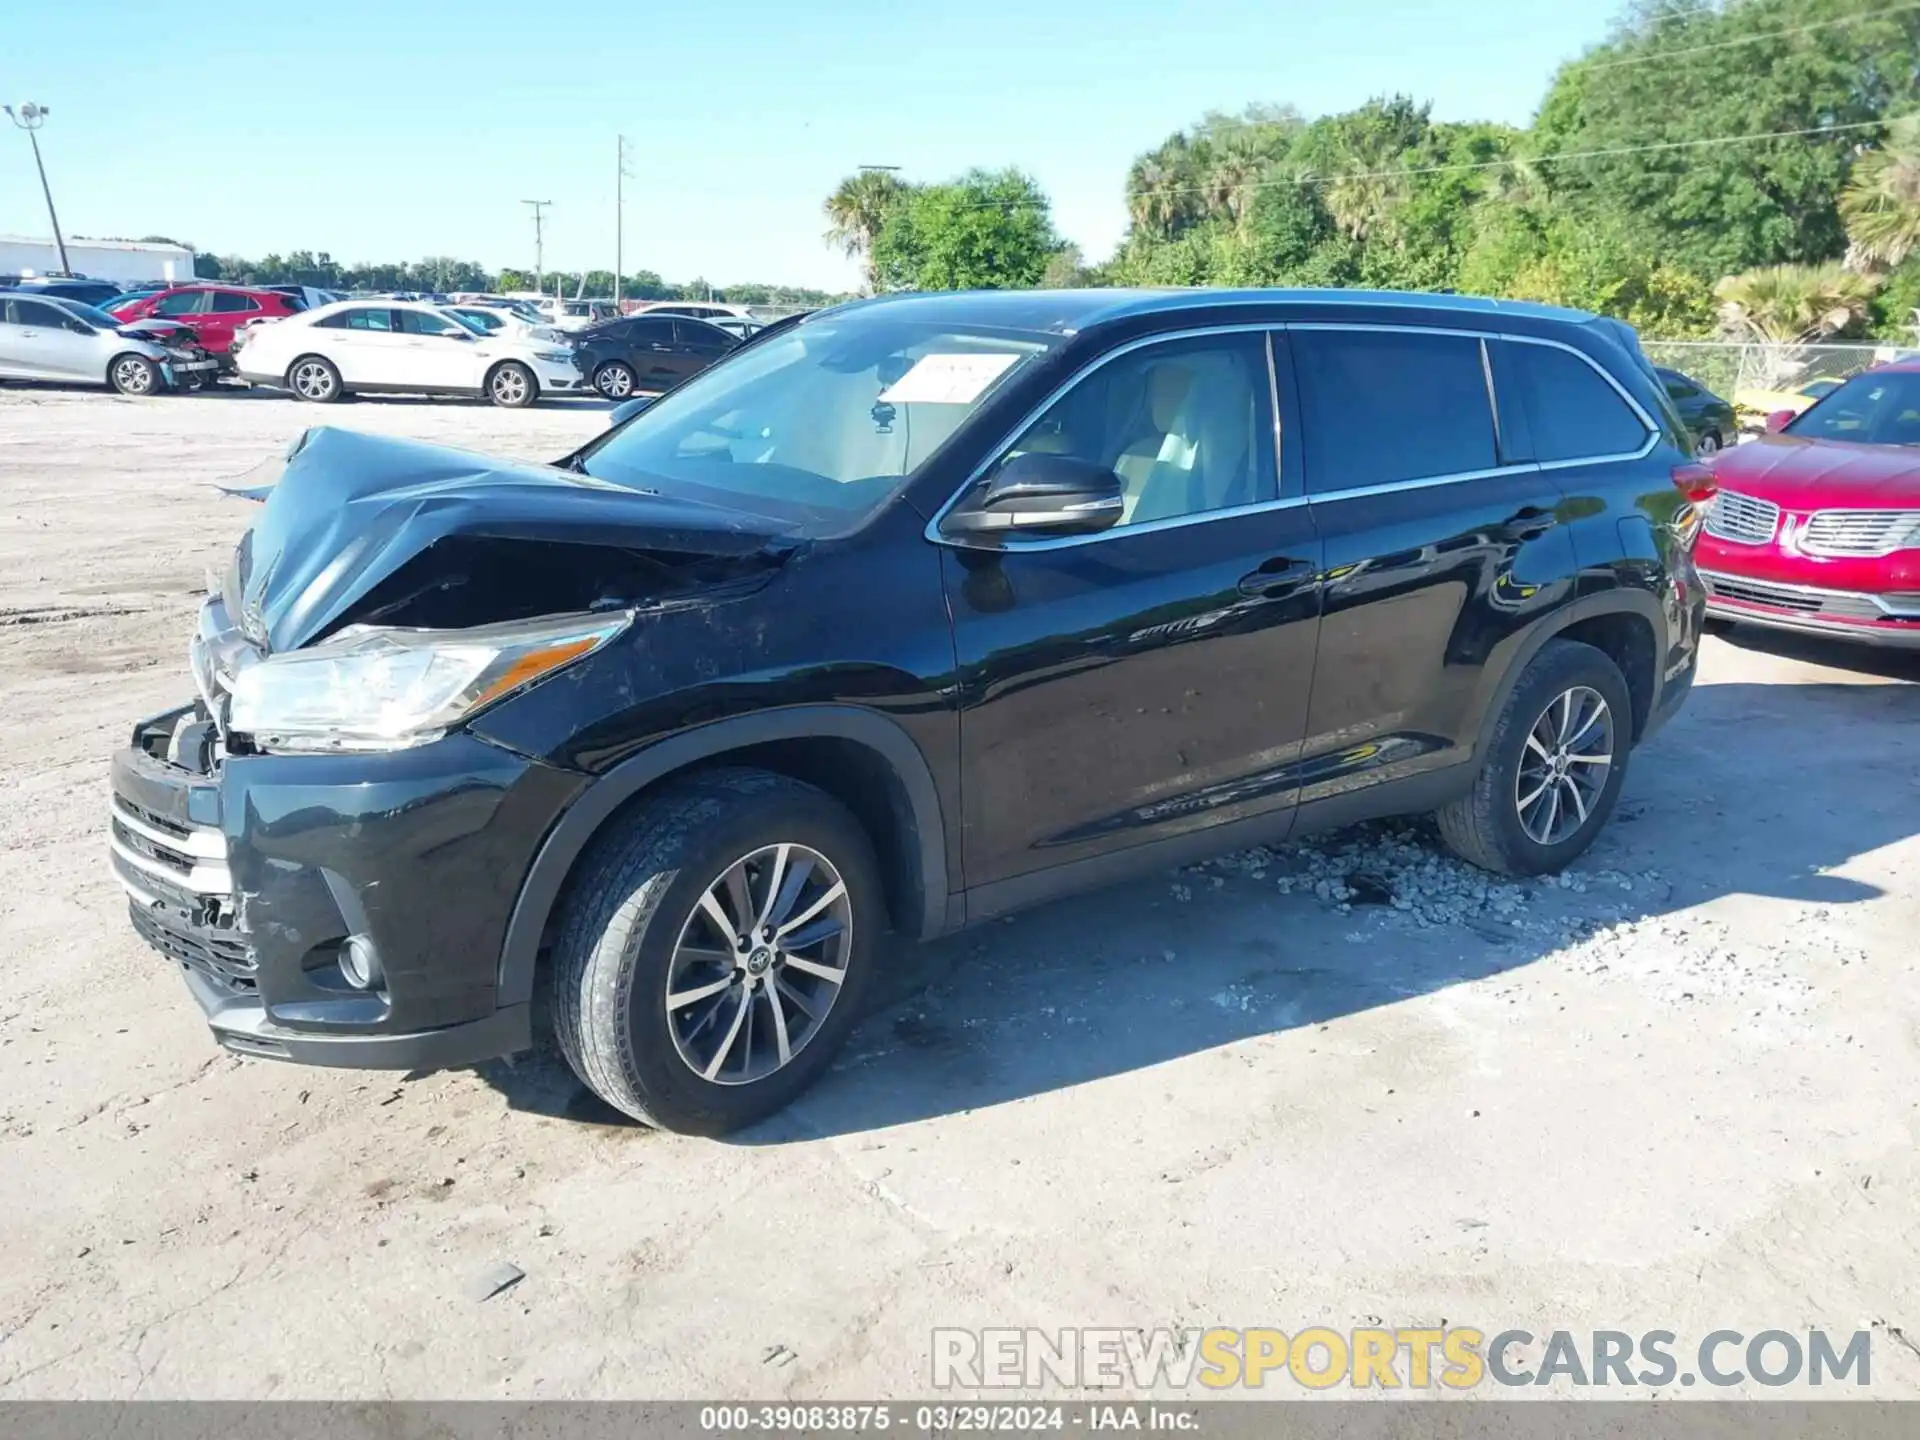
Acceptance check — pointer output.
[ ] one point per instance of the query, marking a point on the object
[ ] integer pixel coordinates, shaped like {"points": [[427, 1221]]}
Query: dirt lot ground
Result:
{"points": [[1679, 1090]]}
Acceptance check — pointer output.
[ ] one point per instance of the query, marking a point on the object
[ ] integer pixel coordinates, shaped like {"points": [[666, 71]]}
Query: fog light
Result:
{"points": [[359, 963]]}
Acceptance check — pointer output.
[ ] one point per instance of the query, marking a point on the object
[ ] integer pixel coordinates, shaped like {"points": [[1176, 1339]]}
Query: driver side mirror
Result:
{"points": [[1047, 494], [1780, 419]]}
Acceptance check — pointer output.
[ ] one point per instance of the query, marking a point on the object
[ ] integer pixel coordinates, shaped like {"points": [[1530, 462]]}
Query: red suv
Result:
{"points": [[212, 312], [1817, 524]]}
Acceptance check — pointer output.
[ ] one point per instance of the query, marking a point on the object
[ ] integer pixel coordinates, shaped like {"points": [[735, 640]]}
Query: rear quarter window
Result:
{"points": [[1573, 412]]}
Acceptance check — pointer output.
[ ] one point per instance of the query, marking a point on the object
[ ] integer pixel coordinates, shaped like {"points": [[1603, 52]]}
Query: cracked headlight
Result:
{"points": [[369, 688]]}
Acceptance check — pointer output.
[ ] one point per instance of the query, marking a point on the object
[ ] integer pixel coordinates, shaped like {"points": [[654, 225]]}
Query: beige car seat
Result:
{"points": [[1190, 451]]}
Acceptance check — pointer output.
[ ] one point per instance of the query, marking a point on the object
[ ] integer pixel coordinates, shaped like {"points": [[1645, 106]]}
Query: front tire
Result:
{"points": [[511, 386], [134, 375], [615, 380], [313, 378], [714, 950], [1708, 445], [1552, 769]]}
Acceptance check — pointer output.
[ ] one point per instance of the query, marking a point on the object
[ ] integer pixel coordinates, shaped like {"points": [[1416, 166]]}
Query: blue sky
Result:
{"points": [[389, 131]]}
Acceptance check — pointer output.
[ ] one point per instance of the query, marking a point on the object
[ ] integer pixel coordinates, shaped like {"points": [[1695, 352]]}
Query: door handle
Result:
{"points": [[1528, 523], [1281, 575]]}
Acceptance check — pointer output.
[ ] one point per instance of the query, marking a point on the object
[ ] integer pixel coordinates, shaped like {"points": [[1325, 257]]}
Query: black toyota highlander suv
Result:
{"points": [[929, 608]]}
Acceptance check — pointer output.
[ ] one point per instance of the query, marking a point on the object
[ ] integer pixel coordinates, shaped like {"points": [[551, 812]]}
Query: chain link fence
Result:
{"points": [[1754, 377]]}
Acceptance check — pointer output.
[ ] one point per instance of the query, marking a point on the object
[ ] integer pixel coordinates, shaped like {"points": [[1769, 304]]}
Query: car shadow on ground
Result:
{"points": [[1128, 978], [1886, 661]]}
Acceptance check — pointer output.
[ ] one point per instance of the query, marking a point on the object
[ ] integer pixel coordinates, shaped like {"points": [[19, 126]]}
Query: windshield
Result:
{"points": [[819, 425], [1878, 408]]}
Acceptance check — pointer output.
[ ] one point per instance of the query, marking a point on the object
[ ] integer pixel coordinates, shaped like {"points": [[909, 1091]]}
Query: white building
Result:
{"points": [[122, 260]]}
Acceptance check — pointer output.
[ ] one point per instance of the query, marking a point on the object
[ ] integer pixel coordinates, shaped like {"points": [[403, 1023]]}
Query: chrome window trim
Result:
{"points": [[1026, 544], [1273, 399], [1267, 328], [1493, 401]]}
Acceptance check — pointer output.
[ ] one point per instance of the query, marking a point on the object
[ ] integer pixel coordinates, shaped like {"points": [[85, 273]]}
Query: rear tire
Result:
{"points": [[134, 375], [314, 379], [1543, 793], [1708, 445], [511, 386], [640, 923]]}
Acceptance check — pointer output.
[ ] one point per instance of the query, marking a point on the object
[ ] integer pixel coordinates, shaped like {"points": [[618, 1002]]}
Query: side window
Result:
{"points": [[1572, 411], [185, 304], [1679, 387], [699, 335], [1379, 407], [227, 303], [370, 319], [1185, 424], [37, 314], [335, 321], [420, 322], [649, 332]]}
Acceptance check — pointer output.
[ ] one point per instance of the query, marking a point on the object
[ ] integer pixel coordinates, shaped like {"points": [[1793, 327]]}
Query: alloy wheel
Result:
{"points": [[1565, 765], [615, 381], [758, 964], [510, 386], [132, 376], [312, 380], [1708, 444]]}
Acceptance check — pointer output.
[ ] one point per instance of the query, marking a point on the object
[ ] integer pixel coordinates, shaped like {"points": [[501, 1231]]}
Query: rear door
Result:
{"points": [[700, 345], [367, 347], [1443, 543], [226, 312]]}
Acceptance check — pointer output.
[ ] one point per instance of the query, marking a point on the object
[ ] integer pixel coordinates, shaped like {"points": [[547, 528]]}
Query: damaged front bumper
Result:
{"points": [[255, 874]]}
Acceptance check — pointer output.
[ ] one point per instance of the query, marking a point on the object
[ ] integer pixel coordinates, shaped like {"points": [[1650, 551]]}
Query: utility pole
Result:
{"points": [[539, 244], [30, 117], [620, 177]]}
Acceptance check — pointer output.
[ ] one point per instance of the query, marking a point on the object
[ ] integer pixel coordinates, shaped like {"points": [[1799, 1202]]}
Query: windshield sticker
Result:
{"points": [[948, 379]]}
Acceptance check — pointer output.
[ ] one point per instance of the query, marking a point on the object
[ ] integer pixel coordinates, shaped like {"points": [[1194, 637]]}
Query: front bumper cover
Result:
{"points": [[254, 873]]}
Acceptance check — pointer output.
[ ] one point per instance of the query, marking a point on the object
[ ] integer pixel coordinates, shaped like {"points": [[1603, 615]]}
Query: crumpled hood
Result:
{"points": [[1799, 474], [350, 509]]}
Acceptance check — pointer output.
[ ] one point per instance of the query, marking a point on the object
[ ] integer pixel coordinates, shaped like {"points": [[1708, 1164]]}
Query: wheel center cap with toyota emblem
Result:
{"points": [[760, 961]]}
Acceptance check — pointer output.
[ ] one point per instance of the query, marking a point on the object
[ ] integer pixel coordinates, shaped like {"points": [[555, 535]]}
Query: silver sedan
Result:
{"points": [[43, 338]]}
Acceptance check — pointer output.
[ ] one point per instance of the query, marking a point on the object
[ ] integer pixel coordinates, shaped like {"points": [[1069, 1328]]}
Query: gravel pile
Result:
{"points": [[1602, 923]]}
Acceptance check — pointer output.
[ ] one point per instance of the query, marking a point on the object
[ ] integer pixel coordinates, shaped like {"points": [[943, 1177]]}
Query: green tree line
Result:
{"points": [[1640, 189]]}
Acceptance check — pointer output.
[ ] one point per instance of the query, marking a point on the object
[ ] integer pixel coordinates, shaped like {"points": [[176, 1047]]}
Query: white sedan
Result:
{"points": [[389, 346]]}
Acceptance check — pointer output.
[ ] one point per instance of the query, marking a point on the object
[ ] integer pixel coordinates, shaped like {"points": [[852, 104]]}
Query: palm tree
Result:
{"points": [[1881, 201], [1150, 201], [1788, 307], [856, 210], [1236, 166]]}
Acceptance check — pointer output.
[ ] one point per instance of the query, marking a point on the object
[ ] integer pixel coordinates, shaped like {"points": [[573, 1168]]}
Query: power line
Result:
{"points": [[1879, 13]]}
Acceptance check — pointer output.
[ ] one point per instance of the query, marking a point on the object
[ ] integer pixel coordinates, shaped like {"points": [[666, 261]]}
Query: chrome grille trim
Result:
{"points": [[1742, 519], [210, 879], [197, 843], [1867, 533]]}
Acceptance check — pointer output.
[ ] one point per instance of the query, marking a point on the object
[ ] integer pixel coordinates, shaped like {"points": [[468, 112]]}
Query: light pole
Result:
{"points": [[539, 208], [621, 175], [30, 117]]}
